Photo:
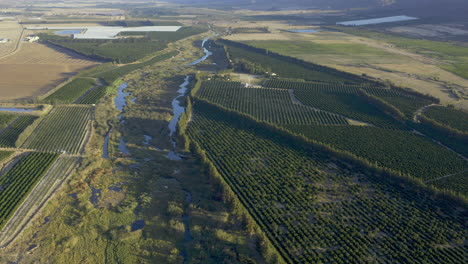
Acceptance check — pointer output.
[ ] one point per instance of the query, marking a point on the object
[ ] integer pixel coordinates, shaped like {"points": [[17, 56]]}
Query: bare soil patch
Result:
{"points": [[36, 69]]}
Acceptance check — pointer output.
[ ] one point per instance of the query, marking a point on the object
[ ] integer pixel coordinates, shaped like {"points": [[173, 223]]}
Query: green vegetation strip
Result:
{"points": [[5, 119], [9, 135], [257, 60], [70, 92], [112, 75], [270, 105], [5, 154], [63, 130], [399, 150], [317, 210], [18, 181], [450, 117]]}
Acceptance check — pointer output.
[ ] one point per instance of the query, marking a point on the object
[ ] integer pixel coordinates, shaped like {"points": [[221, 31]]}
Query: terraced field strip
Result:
{"points": [[20, 179], [38, 197], [63, 130]]}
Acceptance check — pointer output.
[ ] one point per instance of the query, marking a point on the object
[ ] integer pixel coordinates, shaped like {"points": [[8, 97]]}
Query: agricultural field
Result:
{"points": [[35, 69], [448, 116], [399, 150], [18, 181], [4, 155], [12, 31], [42, 192], [315, 209], [71, 91], [366, 54], [126, 50], [9, 135], [270, 105], [5, 119], [64, 130]]}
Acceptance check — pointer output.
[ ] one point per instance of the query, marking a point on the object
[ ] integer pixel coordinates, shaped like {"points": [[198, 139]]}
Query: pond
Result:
{"points": [[17, 110]]}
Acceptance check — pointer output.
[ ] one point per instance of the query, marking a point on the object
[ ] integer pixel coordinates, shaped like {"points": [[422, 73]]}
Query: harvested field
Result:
{"points": [[36, 69], [10, 30]]}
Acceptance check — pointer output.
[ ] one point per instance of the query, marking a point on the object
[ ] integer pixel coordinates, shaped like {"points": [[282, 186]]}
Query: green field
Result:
{"points": [[5, 154], [315, 209], [260, 61], [18, 181], [5, 119], [63, 130], [448, 116], [71, 91], [9, 135], [399, 150], [126, 50], [270, 105], [109, 76], [455, 55]]}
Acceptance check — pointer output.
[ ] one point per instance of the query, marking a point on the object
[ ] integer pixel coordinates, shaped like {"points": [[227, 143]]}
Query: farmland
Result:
{"points": [[63, 130], [287, 188], [20, 179], [450, 117], [71, 91], [36, 69], [9, 135], [271, 105], [4, 155]]}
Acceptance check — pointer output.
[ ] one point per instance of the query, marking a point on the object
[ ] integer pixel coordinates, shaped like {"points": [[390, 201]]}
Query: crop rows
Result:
{"points": [[315, 210], [18, 181], [406, 103], [93, 96], [399, 150], [448, 116], [270, 105], [71, 91], [41, 193], [457, 183], [64, 130], [9, 135]]}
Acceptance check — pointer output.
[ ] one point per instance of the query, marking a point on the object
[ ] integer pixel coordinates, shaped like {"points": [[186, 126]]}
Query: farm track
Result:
{"points": [[420, 111], [36, 200]]}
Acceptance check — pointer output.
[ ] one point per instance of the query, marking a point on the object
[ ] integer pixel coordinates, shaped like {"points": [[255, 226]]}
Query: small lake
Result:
{"points": [[68, 32], [303, 31], [137, 225], [17, 110]]}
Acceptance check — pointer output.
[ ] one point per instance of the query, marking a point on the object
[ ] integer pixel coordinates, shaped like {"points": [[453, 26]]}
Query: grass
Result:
{"points": [[4, 155], [456, 56], [5, 119]]}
